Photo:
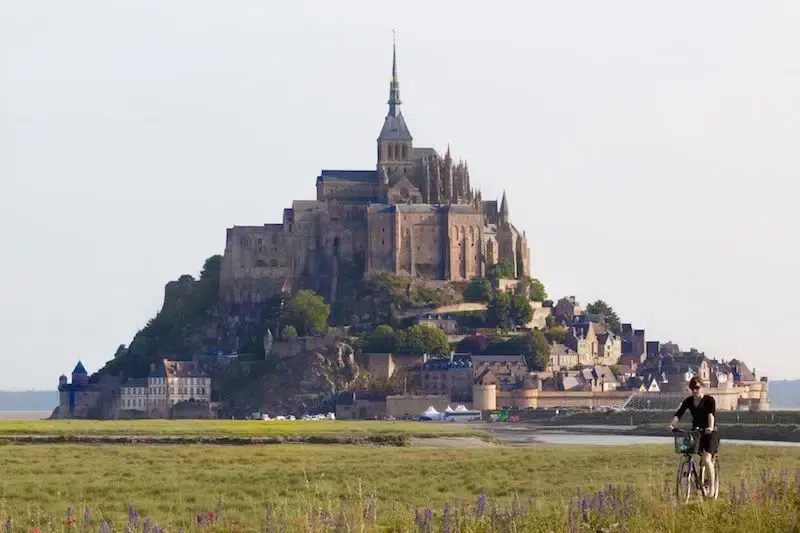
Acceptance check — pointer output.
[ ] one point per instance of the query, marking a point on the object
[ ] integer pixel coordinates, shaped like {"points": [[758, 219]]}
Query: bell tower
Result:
{"points": [[394, 140]]}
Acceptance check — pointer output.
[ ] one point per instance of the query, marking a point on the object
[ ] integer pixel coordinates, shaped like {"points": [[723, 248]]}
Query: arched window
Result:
{"points": [[405, 151], [391, 151]]}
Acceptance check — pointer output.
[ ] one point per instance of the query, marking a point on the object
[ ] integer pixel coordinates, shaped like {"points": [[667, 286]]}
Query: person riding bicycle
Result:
{"points": [[704, 418]]}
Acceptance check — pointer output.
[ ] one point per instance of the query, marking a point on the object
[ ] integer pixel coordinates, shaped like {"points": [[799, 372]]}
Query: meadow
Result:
{"points": [[233, 431], [303, 487]]}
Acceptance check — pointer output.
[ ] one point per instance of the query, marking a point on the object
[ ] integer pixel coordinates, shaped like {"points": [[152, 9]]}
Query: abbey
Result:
{"points": [[415, 215]]}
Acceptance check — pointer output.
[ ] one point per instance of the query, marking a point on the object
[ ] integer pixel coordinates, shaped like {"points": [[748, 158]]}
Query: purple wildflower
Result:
{"points": [[147, 526], [133, 516], [483, 500], [70, 516], [87, 516], [218, 510], [447, 520], [7, 526], [104, 528], [572, 520]]}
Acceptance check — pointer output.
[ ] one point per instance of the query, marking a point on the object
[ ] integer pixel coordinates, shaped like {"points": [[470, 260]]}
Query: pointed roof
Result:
{"points": [[504, 206], [394, 126], [79, 369], [394, 84]]}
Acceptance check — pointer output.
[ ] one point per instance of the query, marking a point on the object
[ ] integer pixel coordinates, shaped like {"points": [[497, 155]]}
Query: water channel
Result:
{"points": [[523, 435]]}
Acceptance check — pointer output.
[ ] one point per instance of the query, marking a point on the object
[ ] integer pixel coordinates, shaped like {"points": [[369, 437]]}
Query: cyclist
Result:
{"points": [[704, 418]]}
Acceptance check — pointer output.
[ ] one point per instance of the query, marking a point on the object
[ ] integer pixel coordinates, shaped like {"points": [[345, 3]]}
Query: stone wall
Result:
{"points": [[403, 406]]}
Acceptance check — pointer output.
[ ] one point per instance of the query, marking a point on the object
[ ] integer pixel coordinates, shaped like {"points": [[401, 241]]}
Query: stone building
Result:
{"points": [[168, 384], [79, 397], [451, 377], [415, 214], [594, 343]]}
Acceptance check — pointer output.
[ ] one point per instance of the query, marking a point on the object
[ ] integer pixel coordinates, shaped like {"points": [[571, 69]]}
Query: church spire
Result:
{"points": [[394, 85], [504, 209]]}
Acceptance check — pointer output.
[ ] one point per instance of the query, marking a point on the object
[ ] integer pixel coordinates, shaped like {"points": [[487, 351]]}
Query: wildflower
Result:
{"points": [[218, 510], [146, 528], [87, 517], [104, 528], [483, 499], [446, 519], [133, 516], [7, 526], [212, 516]]}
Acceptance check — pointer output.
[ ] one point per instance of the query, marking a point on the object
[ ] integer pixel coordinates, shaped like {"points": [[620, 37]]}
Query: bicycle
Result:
{"points": [[690, 475]]}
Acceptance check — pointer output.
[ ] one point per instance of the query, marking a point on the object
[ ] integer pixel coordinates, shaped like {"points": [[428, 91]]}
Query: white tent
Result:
{"points": [[431, 413], [461, 409], [448, 409]]}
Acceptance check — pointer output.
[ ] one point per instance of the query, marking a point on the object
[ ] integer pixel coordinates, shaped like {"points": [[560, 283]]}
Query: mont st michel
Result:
{"points": [[397, 288], [281, 271]]}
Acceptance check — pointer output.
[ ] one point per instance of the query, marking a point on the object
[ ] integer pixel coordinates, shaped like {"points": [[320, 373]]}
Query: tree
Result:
{"points": [[478, 290], [540, 356], [308, 313], [212, 267], [520, 311], [556, 334], [498, 311], [288, 333], [474, 344], [423, 339], [501, 270], [601, 308], [383, 339], [537, 291]]}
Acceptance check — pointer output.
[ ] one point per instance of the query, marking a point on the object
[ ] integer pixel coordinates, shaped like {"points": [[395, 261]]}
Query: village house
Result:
{"points": [[449, 376], [446, 323], [594, 343], [566, 310], [562, 358], [169, 383], [504, 371], [539, 317]]}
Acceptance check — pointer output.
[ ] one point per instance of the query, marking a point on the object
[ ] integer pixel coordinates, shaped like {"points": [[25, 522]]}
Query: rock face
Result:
{"points": [[304, 382]]}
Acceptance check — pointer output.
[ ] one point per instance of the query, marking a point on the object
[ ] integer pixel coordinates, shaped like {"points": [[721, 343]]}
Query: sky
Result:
{"points": [[648, 149]]}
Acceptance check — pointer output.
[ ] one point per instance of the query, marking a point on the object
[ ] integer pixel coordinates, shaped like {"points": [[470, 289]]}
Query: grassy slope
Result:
{"points": [[173, 483], [230, 428]]}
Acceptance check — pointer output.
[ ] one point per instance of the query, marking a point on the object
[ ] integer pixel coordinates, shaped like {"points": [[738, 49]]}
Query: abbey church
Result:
{"points": [[415, 215]]}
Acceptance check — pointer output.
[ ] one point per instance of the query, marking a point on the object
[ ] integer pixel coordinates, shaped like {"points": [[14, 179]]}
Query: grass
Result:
{"points": [[378, 485], [236, 429]]}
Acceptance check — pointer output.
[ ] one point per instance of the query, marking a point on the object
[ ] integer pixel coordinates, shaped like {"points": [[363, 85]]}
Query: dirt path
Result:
{"points": [[451, 442]]}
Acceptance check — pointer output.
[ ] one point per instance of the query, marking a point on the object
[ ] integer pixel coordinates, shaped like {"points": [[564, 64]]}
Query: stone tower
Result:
{"points": [[394, 140], [79, 375]]}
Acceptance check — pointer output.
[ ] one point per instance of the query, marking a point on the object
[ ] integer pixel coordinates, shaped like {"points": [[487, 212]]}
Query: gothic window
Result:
{"points": [[391, 151], [405, 151]]}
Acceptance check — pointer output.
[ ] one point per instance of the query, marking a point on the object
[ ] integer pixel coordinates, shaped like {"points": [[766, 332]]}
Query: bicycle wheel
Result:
{"points": [[683, 485]]}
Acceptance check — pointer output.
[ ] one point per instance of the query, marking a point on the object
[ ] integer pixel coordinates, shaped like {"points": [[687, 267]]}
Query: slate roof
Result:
{"points": [[419, 153], [79, 369], [362, 176], [395, 129], [500, 359], [560, 349]]}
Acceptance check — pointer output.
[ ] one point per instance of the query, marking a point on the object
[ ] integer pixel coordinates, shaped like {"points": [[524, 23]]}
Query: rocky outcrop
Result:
{"points": [[305, 382]]}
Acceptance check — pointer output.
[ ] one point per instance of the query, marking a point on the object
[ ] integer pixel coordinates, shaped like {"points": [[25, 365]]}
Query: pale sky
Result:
{"points": [[649, 150]]}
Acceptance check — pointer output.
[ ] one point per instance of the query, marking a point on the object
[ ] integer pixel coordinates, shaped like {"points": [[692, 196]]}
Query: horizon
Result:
{"points": [[641, 151]]}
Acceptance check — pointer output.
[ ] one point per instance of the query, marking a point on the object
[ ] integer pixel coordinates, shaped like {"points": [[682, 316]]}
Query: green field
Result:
{"points": [[235, 429], [370, 488]]}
